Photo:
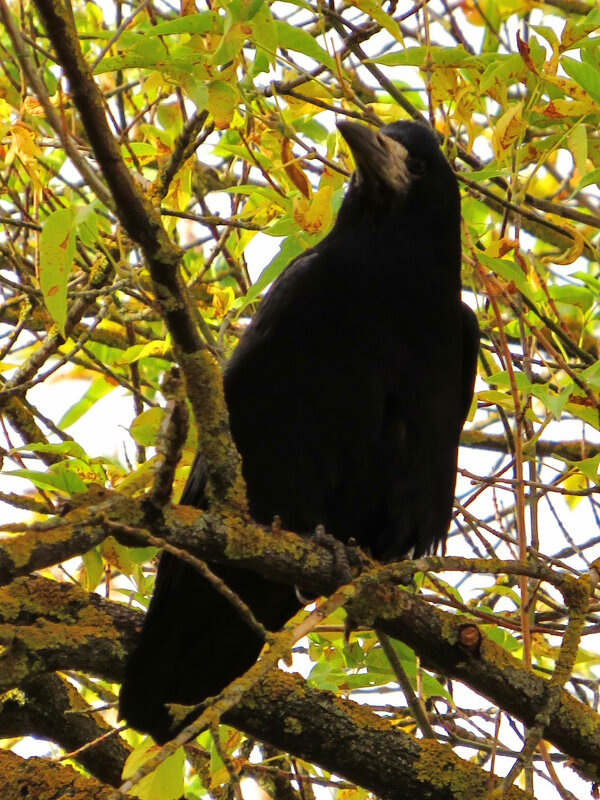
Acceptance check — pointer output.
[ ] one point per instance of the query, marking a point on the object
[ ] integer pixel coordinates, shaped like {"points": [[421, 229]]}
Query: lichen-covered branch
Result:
{"points": [[77, 640], [49, 707], [143, 223], [338, 734], [571, 450], [490, 670], [43, 779], [47, 626], [281, 709]]}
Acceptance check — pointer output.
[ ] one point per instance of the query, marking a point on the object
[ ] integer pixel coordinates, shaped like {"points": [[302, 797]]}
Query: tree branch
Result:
{"points": [[49, 707], [43, 779], [69, 633], [143, 223]]}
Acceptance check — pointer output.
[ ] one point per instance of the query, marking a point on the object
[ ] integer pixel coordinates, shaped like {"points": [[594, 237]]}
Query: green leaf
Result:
{"points": [[299, 40], [573, 31], [592, 178], [56, 479], [329, 677], [502, 379], [584, 74], [431, 687], [155, 348], [86, 222], [502, 637], [510, 272], [264, 34], [416, 56], [588, 280], [230, 45], [591, 376], [487, 174], [166, 782], [145, 427], [548, 33], [578, 296], [204, 22], [555, 403], [586, 413], [149, 52], [587, 466], [93, 569], [57, 249], [290, 248], [499, 398], [244, 10], [96, 391], [64, 448], [197, 89], [578, 145], [503, 72]]}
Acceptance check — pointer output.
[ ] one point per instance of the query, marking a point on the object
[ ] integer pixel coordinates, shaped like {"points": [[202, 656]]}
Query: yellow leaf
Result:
{"points": [[156, 348], [568, 86], [222, 100], [557, 109], [578, 145], [22, 145], [507, 130], [572, 253], [500, 247], [472, 13], [315, 216], [374, 10], [389, 112], [222, 300], [574, 483], [24, 148], [444, 83]]}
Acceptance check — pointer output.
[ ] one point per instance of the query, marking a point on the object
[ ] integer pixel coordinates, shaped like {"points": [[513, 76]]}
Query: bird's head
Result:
{"points": [[401, 163]]}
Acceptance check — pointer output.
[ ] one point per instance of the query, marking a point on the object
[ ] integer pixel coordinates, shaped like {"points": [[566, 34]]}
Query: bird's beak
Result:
{"points": [[379, 159]]}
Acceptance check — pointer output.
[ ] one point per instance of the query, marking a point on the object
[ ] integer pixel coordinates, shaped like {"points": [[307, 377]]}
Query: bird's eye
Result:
{"points": [[416, 166]]}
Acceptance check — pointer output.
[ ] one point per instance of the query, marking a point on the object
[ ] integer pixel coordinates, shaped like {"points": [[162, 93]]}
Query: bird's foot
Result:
{"points": [[345, 555]]}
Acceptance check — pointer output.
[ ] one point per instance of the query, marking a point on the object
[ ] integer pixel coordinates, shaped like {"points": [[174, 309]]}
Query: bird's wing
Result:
{"points": [[304, 395]]}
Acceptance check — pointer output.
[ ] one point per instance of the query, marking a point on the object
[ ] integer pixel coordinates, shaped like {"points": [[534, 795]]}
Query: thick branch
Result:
{"points": [[74, 637], [490, 671], [47, 626], [337, 734], [49, 707], [281, 709], [219, 535], [40, 778]]}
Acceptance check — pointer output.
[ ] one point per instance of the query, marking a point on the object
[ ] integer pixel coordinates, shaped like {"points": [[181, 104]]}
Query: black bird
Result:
{"points": [[346, 396]]}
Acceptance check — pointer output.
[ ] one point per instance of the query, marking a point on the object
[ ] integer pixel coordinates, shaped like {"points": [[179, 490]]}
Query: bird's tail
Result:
{"points": [[194, 641]]}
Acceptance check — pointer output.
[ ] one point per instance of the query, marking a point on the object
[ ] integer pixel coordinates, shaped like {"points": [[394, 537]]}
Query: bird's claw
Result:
{"points": [[345, 555]]}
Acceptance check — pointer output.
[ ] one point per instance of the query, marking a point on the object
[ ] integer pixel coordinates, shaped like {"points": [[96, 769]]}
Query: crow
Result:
{"points": [[346, 395]]}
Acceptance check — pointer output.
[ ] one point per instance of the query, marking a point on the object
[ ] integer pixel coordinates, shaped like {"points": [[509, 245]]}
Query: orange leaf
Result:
{"points": [[293, 171]]}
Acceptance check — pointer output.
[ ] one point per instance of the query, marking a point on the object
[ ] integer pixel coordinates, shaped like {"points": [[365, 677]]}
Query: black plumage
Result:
{"points": [[346, 395]]}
